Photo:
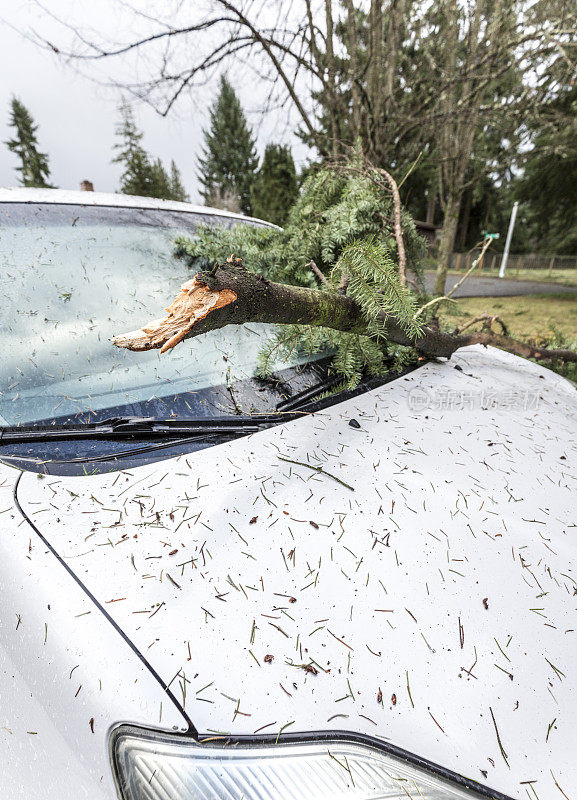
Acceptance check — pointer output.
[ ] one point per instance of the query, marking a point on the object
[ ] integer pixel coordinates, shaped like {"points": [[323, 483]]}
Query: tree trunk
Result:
{"points": [[331, 78], [354, 77], [466, 217], [231, 295], [431, 205], [446, 243], [394, 37], [375, 75]]}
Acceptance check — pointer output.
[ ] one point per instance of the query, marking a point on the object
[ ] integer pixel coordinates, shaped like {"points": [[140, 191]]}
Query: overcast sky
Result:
{"points": [[76, 116]]}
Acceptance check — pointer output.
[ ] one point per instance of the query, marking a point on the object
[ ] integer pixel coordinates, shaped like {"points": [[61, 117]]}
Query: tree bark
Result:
{"points": [[331, 77], [375, 75], [460, 103], [466, 218], [431, 204], [352, 47], [394, 38], [446, 243], [231, 295]]}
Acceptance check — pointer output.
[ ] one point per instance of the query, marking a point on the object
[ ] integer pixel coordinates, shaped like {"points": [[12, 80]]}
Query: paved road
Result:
{"points": [[497, 287]]}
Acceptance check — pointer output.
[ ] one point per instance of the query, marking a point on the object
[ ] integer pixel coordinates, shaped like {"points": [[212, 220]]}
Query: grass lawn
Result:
{"points": [[534, 317], [564, 276]]}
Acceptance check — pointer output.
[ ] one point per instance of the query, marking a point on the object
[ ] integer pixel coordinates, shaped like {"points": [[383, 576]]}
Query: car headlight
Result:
{"points": [[156, 766]]}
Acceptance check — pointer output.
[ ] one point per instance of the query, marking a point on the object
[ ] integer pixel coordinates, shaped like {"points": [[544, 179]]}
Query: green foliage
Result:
{"points": [[560, 341], [354, 356], [142, 176], [275, 188], [137, 177], [341, 221], [374, 283], [229, 158], [548, 187], [160, 182], [261, 248], [33, 169], [177, 190], [334, 208]]}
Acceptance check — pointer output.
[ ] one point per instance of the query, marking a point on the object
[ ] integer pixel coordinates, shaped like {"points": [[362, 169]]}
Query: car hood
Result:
{"points": [[400, 565]]}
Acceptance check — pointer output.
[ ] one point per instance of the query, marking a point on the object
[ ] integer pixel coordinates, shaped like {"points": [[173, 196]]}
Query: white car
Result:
{"points": [[203, 599]]}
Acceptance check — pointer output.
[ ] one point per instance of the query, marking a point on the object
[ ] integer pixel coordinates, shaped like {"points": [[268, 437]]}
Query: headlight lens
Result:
{"points": [[152, 766]]}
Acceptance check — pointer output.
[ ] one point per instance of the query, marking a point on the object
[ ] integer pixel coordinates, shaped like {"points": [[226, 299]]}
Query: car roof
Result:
{"points": [[66, 197]]}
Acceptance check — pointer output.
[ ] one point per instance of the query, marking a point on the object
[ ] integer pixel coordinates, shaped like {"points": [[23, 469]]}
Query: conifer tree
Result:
{"points": [[33, 169], [177, 190], [142, 175], [165, 186], [275, 187], [229, 159], [137, 177], [160, 181]]}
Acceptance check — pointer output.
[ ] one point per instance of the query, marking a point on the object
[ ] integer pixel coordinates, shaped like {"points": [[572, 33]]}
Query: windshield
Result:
{"points": [[73, 276]]}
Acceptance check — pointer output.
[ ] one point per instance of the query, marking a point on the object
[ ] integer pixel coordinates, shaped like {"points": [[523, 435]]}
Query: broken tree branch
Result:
{"points": [[517, 347], [231, 295], [488, 320], [397, 225]]}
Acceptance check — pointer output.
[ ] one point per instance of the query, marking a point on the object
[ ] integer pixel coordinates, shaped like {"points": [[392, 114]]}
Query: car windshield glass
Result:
{"points": [[73, 276]]}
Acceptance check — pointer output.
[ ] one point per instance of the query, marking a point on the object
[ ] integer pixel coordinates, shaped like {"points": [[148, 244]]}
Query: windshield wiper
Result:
{"points": [[302, 399], [126, 428]]}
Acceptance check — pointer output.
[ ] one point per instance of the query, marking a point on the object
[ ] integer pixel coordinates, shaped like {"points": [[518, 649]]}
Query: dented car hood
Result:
{"points": [[401, 565]]}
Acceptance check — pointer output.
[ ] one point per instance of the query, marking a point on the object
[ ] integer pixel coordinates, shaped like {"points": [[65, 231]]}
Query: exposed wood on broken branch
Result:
{"points": [[194, 303], [231, 295]]}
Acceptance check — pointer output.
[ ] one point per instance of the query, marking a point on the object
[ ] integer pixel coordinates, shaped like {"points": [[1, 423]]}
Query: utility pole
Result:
{"points": [[508, 240]]}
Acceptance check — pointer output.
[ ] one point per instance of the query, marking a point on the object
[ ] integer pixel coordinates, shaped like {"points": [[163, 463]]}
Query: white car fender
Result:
{"points": [[67, 676]]}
